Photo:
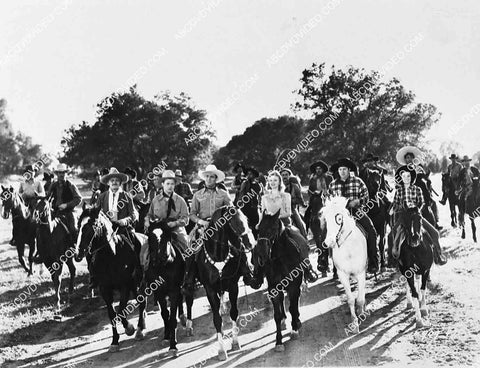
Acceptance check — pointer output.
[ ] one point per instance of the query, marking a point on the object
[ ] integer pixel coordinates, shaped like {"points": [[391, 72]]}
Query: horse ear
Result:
{"points": [[10, 189], [3, 188]]}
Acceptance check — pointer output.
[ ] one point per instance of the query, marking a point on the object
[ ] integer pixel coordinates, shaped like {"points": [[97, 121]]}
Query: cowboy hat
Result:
{"points": [[212, 169], [370, 157], [61, 168], [453, 156], [178, 173], [466, 158], [398, 177], [287, 170], [253, 170], [131, 172], [343, 162], [168, 174], [321, 164], [407, 149], [113, 173], [237, 166]]}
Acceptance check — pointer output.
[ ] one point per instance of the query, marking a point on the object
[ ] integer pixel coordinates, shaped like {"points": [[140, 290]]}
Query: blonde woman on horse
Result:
{"points": [[274, 200]]}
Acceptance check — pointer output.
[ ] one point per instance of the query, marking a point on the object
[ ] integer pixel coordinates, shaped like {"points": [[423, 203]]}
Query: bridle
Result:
{"points": [[339, 221]]}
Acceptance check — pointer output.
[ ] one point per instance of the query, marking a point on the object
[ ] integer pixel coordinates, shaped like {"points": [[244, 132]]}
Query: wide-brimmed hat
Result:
{"points": [[114, 173], [287, 170], [321, 164], [343, 162], [370, 157], [61, 168], [253, 170], [453, 156], [237, 166], [212, 169], [412, 171], [407, 149], [131, 172], [167, 174], [178, 173], [466, 158]]}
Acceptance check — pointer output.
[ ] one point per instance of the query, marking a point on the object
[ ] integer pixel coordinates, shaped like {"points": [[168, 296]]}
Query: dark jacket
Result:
{"points": [[127, 210], [69, 195]]}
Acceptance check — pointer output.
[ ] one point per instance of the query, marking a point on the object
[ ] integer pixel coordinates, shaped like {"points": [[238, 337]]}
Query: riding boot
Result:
{"points": [[371, 243], [190, 273], [322, 261], [443, 201]]}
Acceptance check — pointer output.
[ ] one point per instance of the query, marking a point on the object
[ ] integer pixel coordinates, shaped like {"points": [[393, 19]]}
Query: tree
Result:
{"points": [[132, 131], [451, 147], [356, 113], [17, 149]]}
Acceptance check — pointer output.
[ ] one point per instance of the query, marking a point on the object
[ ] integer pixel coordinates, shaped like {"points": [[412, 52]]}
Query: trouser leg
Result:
{"points": [[438, 256], [301, 245], [371, 242], [297, 220]]}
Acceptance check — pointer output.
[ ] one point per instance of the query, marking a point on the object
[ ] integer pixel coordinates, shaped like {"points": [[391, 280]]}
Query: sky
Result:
{"points": [[58, 59]]}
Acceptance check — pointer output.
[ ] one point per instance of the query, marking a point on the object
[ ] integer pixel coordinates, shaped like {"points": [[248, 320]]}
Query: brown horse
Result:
{"points": [[23, 227], [55, 246]]}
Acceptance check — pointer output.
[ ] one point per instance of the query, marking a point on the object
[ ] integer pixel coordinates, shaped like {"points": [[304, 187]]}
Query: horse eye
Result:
{"points": [[339, 218]]}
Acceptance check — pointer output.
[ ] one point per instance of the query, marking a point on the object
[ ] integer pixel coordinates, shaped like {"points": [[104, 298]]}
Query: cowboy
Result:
{"points": [[66, 197], [119, 207], [133, 187], [170, 207], [239, 178], [183, 189], [297, 199], [251, 189], [410, 156], [409, 199], [370, 161], [156, 187], [453, 171], [353, 188], [466, 177], [204, 203], [319, 179]]}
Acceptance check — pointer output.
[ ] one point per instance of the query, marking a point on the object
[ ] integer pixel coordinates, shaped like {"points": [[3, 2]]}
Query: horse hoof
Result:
{"points": [[129, 330], [222, 355], [409, 306], [114, 348], [139, 335], [294, 335], [173, 353], [183, 320], [279, 348], [236, 346], [424, 312], [420, 323], [189, 331]]}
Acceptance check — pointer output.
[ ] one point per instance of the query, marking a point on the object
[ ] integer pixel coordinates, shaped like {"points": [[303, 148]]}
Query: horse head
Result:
{"points": [[160, 244], [90, 225], [42, 213], [7, 201], [269, 231], [374, 181], [337, 218], [238, 223]]}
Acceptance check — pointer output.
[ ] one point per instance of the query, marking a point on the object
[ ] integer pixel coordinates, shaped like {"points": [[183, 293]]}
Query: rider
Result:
{"points": [[119, 208], [409, 199], [295, 192], [170, 207], [253, 190], [466, 177], [370, 162], [133, 186], [47, 178], [66, 197], [182, 188], [453, 171], [157, 187], [352, 187], [204, 204], [410, 155], [239, 170], [275, 199]]}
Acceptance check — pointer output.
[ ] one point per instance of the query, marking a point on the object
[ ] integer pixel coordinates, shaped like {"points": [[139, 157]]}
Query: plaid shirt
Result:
{"points": [[352, 188], [408, 197]]}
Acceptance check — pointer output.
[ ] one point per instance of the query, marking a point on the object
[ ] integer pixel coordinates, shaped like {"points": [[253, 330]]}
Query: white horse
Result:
{"points": [[349, 251]]}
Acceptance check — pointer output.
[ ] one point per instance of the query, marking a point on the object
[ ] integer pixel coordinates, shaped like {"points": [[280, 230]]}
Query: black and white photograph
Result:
{"points": [[239, 183]]}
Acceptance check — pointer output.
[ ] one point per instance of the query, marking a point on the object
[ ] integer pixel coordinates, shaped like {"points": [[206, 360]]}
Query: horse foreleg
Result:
{"points": [[162, 303], [423, 292], [108, 298], [174, 299], [233, 294], [294, 297], [279, 317], [142, 315], [345, 280], [189, 325], [361, 281], [71, 284], [31, 252], [57, 283], [124, 294], [20, 251], [474, 229], [415, 301], [214, 301]]}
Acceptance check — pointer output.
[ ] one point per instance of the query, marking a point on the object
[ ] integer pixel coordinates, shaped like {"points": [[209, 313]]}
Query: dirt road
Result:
{"points": [[30, 336]]}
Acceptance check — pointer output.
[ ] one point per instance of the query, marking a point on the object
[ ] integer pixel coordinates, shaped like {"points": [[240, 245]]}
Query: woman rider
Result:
{"points": [[276, 199]]}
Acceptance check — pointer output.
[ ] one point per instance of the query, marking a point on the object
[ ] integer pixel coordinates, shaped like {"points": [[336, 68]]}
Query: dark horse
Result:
{"points": [[448, 189], [55, 245], [24, 227], [377, 209], [142, 212], [218, 263], [280, 262], [319, 232], [166, 268], [469, 204], [413, 262], [115, 261]]}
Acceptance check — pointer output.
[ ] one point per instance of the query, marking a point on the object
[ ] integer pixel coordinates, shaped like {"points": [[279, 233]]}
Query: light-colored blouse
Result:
{"points": [[29, 189], [272, 202]]}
